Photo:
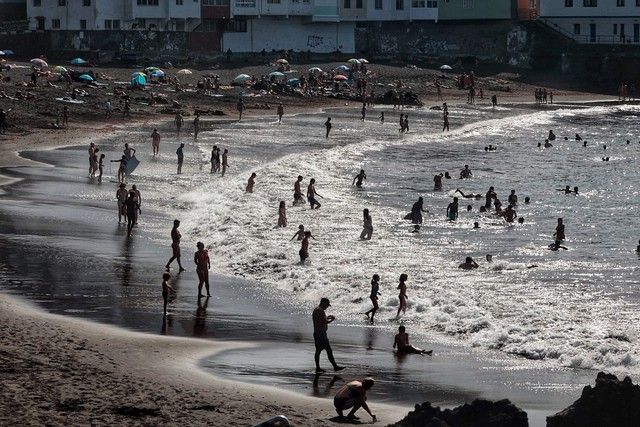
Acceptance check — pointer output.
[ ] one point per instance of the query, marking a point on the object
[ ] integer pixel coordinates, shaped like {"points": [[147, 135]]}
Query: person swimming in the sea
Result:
{"points": [[552, 136], [468, 264], [469, 196], [466, 172], [437, 182], [566, 190], [357, 180]]}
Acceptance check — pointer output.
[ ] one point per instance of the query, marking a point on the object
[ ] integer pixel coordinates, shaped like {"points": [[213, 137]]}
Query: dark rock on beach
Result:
{"points": [[480, 413], [611, 403]]}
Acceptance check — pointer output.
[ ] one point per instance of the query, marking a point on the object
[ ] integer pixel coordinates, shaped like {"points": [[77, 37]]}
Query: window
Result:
{"points": [[576, 29], [179, 2], [55, 23], [116, 24], [245, 3], [620, 3], [637, 2], [432, 4], [86, 2], [215, 2], [38, 3], [83, 24], [378, 4], [147, 2], [108, 24], [358, 4], [273, 1], [590, 3], [418, 3], [40, 24], [237, 25], [62, 2], [615, 28], [399, 4], [467, 4], [568, 3], [347, 4]]}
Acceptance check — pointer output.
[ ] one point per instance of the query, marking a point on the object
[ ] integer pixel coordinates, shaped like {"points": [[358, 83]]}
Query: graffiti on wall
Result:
{"points": [[314, 41]]}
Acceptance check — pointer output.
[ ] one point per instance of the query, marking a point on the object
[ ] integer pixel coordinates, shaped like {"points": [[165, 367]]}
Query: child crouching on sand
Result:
{"points": [[166, 288]]}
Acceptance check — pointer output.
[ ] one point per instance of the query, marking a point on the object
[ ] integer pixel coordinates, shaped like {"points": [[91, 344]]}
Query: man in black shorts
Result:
{"points": [[320, 325]]}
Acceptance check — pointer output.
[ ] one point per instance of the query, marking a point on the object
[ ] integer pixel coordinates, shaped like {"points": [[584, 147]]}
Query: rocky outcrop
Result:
{"points": [[480, 413], [611, 403]]}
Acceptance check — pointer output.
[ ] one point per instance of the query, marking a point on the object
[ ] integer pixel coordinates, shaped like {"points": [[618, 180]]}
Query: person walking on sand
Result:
{"points": [[121, 198], [401, 341], [203, 264], [445, 122], [312, 193], [282, 214], [92, 152], [375, 291], [155, 142], [363, 112], [166, 288], [225, 164], [126, 110], [65, 116], [133, 209], [381, 117], [214, 158], [240, 108], [357, 180], [196, 126], [250, 183], [298, 197], [178, 120], [328, 125], [320, 326], [175, 246], [353, 395], [280, 113], [402, 296], [108, 109], [180, 154], [101, 167], [367, 229]]}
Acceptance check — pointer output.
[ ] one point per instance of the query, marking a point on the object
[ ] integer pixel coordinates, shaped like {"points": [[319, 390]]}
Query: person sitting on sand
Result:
{"points": [[166, 288], [353, 395], [468, 264], [251, 183], [401, 341], [357, 180]]}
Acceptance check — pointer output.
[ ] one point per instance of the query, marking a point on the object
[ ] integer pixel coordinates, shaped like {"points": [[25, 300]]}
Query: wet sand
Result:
{"points": [[79, 263]]}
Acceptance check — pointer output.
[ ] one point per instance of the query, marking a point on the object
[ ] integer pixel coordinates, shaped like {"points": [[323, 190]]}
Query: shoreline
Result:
{"points": [[376, 405]]}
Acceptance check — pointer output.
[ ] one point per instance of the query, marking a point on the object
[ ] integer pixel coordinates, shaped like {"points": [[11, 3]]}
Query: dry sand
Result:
{"points": [[58, 370]]}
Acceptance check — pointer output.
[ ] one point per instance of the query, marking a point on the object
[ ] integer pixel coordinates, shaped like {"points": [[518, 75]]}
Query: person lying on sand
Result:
{"points": [[353, 395]]}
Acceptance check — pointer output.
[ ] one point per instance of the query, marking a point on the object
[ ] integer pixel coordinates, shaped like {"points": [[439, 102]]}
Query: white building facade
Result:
{"points": [[160, 15], [594, 21], [313, 25]]}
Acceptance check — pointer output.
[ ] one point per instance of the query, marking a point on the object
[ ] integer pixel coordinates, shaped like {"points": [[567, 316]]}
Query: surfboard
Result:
{"points": [[132, 164]]}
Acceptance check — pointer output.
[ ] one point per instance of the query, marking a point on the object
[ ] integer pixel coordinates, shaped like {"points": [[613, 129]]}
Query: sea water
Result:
{"points": [[574, 308]]}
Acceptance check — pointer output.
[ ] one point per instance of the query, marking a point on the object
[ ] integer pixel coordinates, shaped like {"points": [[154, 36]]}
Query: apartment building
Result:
{"points": [[13, 10], [463, 10], [301, 25], [389, 10], [594, 21], [160, 15]]}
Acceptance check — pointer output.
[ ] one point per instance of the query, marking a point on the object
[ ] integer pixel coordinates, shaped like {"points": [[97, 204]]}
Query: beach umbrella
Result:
{"points": [[1, 53], [157, 74], [39, 63], [340, 77], [241, 78], [293, 82], [315, 70], [8, 52], [446, 67], [277, 74], [184, 72], [59, 69], [342, 68], [353, 61], [77, 61], [150, 70], [363, 61], [138, 73], [282, 61], [139, 80], [86, 78]]}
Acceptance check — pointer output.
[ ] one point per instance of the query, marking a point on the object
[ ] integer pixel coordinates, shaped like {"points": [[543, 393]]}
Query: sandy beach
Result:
{"points": [[65, 370]]}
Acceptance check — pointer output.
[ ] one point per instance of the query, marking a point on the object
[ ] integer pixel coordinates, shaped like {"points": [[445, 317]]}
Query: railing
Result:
{"points": [[592, 39]]}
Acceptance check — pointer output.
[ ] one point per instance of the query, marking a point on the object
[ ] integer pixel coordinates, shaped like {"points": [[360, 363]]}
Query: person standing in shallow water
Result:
{"points": [[327, 126], [251, 183], [452, 210], [367, 229], [175, 246], [196, 126], [133, 209], [559, 234], [402, 296], [357, 180], [203, 264], [375, 291], [225, 164], [320, 326], [311, 195], [304, 248], [282, 214], [155, 142], [166, 288], [180, 154], [280, 113]]}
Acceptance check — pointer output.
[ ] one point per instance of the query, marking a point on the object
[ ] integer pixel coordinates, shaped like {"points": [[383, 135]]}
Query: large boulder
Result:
{"points": [[480, 413], [611, 403]]}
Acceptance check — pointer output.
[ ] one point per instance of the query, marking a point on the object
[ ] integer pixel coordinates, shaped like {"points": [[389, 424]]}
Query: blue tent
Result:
{"points": [[138, 80], [78, 61], [86, 78], [157, 74], [293, 82]]}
